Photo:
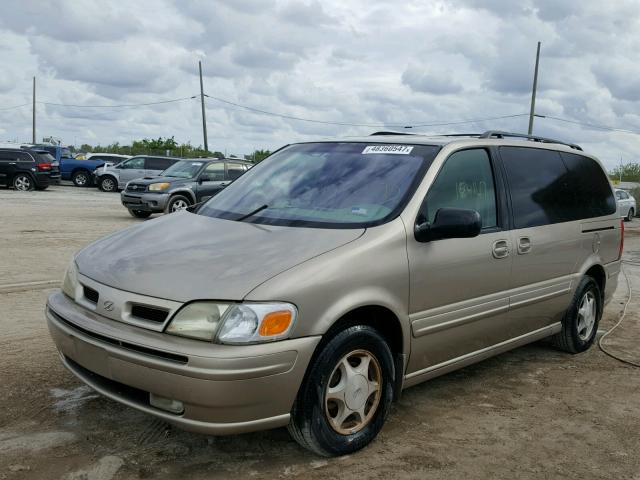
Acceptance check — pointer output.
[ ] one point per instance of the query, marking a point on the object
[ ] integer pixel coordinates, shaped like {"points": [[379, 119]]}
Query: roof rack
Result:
{"points": [[375, 134], [534, 138]]}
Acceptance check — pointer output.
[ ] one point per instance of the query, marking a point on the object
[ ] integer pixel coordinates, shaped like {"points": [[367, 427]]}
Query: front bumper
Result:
{"points": [[145, 202], [224, 389]]}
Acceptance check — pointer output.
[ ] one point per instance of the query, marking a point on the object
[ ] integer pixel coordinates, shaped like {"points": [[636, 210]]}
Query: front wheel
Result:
{"points": [[630, 215], [108, 184], [177, 203], [139, 213], [81, 178], [580, 322], [346, 395]]}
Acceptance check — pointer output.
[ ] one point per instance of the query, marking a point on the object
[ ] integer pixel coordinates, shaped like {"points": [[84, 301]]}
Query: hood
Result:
{"points": [[156, 179], [184, 256]]}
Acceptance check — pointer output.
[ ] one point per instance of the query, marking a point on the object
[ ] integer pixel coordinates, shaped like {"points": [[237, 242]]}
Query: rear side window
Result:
{"points": [[234, 170], [591, 188], [155, 163], [45, 158], [465, 181], [539, 186]]}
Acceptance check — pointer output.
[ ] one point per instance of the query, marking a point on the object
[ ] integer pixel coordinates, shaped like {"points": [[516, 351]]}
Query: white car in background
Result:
{"points": [[626, 205]]}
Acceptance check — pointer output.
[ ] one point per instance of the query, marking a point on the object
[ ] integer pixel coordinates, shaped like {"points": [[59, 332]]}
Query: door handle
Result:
{"points": [[500, 249], [524, 245], [12, 163]]}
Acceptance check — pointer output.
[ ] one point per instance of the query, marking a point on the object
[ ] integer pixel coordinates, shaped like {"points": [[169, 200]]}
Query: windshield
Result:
{"points": [[330, 185], [183, 169]]}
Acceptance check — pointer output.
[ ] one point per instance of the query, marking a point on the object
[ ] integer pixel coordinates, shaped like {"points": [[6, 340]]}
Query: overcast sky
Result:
{"points": [[356, 61]]}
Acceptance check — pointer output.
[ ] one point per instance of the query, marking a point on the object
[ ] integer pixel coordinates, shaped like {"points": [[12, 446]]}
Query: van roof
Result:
{"points": [[445, 139]]}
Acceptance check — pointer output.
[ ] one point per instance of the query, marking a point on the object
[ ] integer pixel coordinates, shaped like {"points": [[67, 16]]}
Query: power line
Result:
{"points": [[15, 106], [372, 125], [124, 105], [590, 125]]}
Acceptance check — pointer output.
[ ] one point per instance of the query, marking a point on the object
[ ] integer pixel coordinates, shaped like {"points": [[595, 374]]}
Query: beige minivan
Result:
{"points": [[334, 274]]}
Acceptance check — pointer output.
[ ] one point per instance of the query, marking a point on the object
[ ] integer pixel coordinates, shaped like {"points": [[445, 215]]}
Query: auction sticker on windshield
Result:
{"points": [[393, 149]]}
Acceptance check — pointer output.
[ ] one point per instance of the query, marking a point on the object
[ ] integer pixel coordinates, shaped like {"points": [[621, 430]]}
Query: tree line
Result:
{"points": [[164, 146]]}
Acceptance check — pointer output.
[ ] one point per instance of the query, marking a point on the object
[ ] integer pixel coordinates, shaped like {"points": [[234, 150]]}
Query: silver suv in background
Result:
{"points": [[626, 205], [115, 177], [324, 280]]}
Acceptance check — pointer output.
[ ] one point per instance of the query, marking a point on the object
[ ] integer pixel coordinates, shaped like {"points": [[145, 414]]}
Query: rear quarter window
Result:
{"points": [[593, 196]]}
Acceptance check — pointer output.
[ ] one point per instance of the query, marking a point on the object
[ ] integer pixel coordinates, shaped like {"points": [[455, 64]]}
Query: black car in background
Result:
{"points": [[27, 169], [182, 184]]}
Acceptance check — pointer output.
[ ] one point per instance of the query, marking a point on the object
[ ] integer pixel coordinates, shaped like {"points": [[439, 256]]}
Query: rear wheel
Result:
{"points": [[630, 215], [580, 322], [107, 183], [81, 178], [177, 203], [23, 182], [139, 213], [346, 395]]}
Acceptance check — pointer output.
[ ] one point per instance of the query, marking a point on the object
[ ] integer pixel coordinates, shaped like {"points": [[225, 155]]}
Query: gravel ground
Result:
{"points": [[530, 413]]}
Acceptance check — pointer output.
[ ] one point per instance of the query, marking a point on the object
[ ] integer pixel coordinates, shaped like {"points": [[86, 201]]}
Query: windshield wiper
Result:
{"points": [[252, 213]]}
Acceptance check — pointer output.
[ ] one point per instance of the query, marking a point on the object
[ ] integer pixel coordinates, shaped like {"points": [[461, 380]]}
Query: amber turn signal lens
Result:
{"points": [[275, 323]]}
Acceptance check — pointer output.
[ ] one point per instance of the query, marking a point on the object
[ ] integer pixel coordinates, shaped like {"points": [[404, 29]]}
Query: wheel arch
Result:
{"points": [[29, 174], [597, 272], [185, 193]]}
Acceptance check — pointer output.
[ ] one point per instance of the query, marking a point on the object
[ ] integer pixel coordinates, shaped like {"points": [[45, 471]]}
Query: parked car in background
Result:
{"points": [[183, 184], [334, 274], [626, 204], [27, 168], [115, 177], [109, 158], [80, 172]]}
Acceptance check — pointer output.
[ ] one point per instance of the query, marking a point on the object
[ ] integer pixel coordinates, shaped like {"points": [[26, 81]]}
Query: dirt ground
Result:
{"points": [[530, 413]]}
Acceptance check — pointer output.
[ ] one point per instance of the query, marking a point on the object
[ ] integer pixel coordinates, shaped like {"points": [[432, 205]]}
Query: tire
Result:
{"points": [[107, 183], [23, 182], [177, 203], [630, 215], [139, 213], [315, 416], [81, 178], [579, 331]]}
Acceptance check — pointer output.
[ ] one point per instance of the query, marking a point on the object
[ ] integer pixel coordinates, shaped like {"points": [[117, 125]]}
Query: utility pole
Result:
{"points": [[533, 92], [33, 122], [204, 118]]}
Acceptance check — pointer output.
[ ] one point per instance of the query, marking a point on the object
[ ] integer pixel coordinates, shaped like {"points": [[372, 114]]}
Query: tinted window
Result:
{"points": [[591, 187], [539, 186], [45, 157], [215, 172], [134, 163], [234, 170], [465, 181], [155, 163]]}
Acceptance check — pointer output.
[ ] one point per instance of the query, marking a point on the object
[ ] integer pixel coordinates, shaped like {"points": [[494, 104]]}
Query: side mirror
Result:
{"points": [[450, 223], [204, 178]]}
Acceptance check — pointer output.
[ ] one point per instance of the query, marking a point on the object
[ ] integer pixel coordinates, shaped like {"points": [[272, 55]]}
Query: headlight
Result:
{"points": [[158, 187], [70, 282], [234, 323]]}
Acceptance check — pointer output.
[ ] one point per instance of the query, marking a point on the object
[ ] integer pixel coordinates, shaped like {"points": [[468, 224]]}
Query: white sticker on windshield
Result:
{"points": [[392, 149], [196, 164]]}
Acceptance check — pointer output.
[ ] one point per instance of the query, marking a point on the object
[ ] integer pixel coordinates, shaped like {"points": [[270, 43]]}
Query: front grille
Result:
{"points": [[149, 313], [136, 187], [91, 294], [126, 345]]}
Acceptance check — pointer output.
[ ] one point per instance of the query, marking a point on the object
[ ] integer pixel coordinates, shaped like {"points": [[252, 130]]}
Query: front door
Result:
{"points": [[130, 169], [212, 180], [458, 287]]}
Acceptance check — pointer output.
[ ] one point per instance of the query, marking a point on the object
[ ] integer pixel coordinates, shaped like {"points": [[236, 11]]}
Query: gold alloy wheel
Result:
{"points": [[353, 393]]}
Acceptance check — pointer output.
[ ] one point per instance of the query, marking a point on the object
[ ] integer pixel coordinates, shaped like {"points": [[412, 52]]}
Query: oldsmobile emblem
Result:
{"points": [[107, 305]]}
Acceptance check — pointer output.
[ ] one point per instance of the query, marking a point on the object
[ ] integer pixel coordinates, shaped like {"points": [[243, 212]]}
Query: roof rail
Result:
{"points": [[374, 134], [534, 138]]}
